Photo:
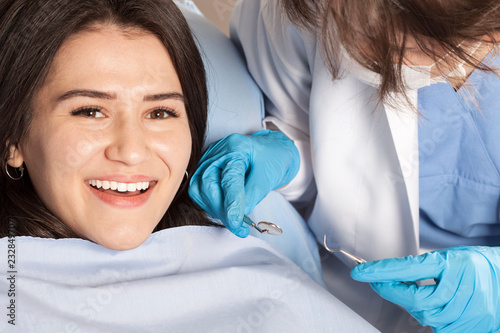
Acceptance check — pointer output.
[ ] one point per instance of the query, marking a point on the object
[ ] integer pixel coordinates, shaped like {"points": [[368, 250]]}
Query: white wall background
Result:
{"points": [[218, 11]]}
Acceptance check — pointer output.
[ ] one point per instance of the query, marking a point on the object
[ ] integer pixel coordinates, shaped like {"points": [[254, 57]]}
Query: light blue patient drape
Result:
{"points": [[185, 279]]}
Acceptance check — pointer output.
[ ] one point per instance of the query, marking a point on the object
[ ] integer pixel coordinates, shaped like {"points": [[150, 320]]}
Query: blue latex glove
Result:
{"points": [[466, 297], [238, 171]]}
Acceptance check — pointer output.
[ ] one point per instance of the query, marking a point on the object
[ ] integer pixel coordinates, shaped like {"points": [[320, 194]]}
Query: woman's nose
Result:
{"points": [[128, 143]]}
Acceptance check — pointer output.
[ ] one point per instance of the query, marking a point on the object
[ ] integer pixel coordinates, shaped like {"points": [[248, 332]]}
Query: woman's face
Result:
{"points": [[109, 143]]}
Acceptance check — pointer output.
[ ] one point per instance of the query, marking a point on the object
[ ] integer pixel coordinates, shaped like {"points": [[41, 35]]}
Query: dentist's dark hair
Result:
{"points": [[375, 32], [31, 33]]}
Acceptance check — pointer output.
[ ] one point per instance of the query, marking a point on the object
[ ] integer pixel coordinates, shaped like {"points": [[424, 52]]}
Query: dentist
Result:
{"points": [[394, 108]]}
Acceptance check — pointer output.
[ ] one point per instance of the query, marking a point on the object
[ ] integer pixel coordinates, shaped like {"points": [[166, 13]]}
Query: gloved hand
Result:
{"points": [[466, 297], [238, 171]]}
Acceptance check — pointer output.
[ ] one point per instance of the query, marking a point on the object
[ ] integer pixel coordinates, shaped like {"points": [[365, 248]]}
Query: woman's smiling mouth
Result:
{"points": [[121, 194], [119, 186]]}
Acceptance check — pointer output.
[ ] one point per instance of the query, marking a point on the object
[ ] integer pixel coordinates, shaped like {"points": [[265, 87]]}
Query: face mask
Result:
{"points": [[414, 77]]}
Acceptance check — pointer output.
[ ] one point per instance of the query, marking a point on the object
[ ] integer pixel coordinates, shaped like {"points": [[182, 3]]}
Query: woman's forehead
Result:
{"points": [[108, 54]]}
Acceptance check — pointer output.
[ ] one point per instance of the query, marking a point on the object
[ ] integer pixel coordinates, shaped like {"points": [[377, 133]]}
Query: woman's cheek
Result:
{"points": [[174, 148], [76, 153]]}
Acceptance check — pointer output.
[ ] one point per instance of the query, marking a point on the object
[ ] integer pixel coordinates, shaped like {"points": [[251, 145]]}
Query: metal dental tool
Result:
{"points": [[264, 227], [354, 258]]}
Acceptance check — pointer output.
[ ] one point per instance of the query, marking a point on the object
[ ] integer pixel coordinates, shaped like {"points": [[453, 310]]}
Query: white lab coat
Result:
{"points": [[363, 158]]}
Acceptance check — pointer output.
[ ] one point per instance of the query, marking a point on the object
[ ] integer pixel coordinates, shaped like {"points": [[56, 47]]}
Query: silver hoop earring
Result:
{"points": [[21, 171], [186, 180]]}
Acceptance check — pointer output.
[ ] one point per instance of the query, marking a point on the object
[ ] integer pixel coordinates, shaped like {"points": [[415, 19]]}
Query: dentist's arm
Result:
{"points": [[238, 171]]}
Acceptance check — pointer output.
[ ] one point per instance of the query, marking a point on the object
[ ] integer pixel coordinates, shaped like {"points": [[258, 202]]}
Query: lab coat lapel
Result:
{"points": [[362, 204]]}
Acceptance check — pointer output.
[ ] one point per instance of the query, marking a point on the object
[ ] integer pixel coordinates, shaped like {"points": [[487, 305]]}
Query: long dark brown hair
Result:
{"points": [[31, 32], [375, 32]]}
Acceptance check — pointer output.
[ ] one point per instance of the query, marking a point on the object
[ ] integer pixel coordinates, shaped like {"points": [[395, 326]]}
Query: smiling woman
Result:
{"points": [[103, 109], [102, 133]]}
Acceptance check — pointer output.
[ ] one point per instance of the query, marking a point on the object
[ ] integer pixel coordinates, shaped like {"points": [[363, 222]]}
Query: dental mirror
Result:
{"points": [[264, 227]]}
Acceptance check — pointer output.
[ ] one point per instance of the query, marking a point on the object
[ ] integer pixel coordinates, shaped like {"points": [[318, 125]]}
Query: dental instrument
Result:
{"points": [[264, 227], [354, 258]]}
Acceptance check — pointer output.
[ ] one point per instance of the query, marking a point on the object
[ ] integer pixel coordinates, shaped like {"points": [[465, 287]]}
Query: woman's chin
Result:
{"points": [[120, 241]]}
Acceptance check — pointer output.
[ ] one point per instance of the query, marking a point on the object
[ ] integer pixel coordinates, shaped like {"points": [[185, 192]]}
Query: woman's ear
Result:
{"points": [[16, 158]]}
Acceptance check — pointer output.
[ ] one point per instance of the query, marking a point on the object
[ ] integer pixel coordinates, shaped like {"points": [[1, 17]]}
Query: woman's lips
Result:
{"points": [[125, 195]]}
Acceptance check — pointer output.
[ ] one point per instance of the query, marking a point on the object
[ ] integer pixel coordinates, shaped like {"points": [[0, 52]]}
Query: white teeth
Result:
{"points": [[120, 187]]}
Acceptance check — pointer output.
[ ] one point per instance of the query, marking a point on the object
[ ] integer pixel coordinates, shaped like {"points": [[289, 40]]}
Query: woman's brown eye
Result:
{"points": [[161, 114], [158, 114], [88, 112]]}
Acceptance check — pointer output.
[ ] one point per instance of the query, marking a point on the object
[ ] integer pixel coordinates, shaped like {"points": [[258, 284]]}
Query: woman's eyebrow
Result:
{"points": [[85, 93], [105, 95], [161, 97]]}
